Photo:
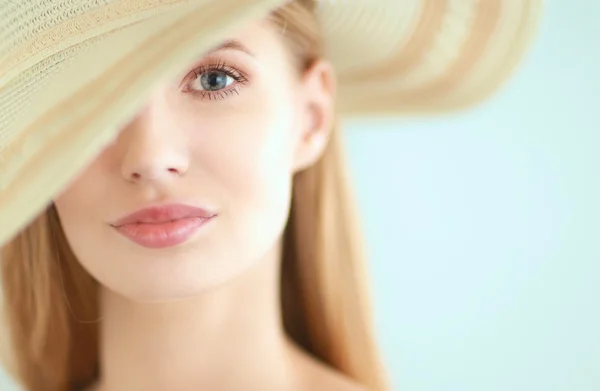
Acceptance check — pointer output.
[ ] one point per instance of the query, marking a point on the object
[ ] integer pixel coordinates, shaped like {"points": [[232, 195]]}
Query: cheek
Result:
{"points": [[89, 190], [250, 151], [248, 155], [81, 205]]}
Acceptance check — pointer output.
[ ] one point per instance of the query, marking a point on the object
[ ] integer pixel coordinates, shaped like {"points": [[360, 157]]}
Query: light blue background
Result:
{"points": [[483, 227]]}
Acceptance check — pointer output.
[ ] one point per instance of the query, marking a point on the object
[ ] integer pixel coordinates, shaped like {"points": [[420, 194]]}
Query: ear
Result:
{"points": [[317, 114]]}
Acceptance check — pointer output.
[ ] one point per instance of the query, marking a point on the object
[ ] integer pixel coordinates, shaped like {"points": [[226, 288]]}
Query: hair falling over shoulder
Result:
{"points": [[49, 298]]}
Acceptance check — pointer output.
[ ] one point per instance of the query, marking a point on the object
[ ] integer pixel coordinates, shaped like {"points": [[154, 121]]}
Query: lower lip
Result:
{"points": [[161, 235]]}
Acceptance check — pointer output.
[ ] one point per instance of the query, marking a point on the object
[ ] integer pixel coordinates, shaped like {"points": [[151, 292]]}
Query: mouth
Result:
{"points": [[163, 226]]}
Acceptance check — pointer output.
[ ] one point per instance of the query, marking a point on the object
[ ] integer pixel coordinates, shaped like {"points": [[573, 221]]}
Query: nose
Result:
{"points": [[152, 150]]}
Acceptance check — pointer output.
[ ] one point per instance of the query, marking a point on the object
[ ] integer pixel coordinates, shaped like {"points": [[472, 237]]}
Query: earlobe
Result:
{"points": [[319, 92], [314, 138]]}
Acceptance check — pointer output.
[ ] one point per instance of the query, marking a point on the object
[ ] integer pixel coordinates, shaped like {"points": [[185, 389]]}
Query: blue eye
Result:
{"points": [[215, 80]]}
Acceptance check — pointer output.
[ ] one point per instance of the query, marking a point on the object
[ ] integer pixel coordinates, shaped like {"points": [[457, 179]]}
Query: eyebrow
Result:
{"points": [[231, 45]]}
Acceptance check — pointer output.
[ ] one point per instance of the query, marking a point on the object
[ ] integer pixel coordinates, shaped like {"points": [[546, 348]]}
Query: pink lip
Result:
{"points": [[163, 226]]}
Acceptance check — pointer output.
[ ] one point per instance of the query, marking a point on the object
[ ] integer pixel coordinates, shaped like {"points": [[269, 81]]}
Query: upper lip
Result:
{"points": [[163, 214]]}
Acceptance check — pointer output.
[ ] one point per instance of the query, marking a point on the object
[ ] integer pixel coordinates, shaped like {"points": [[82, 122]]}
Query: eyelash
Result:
{"points": [[220, 66]]}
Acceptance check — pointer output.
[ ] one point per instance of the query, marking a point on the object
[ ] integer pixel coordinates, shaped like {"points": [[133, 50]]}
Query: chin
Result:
{"points": [[177, 277]]}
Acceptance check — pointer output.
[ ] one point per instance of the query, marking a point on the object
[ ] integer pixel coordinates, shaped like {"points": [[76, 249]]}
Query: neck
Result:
{"points": [[197, 343]]}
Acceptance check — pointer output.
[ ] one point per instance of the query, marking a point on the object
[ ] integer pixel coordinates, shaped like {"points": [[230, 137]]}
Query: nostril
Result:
{"points": [[152, 174]]}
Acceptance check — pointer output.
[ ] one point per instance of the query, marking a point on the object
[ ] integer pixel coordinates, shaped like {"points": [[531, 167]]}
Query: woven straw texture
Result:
{"points": [[72, 72]]}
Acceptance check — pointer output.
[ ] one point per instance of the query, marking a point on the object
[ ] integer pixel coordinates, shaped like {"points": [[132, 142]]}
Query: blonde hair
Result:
{"points": [[324, 297]]}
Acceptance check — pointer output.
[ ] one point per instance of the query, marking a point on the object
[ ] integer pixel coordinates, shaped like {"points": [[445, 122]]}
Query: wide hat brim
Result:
{"points": [[67, 89]]}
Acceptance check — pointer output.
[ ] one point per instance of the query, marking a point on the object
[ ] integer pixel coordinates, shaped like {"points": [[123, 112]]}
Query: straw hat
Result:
{"points": [[72, 72]]}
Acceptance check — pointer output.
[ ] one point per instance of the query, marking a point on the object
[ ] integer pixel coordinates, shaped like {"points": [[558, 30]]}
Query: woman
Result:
{"points": [[200, 234]]}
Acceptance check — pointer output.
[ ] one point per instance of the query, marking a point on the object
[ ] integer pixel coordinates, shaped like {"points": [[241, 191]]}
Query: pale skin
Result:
{"points": [[205, 315]]}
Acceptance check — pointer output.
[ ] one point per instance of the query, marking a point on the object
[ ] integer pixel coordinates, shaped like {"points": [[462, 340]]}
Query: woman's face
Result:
{"points": [[225, 136]]}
